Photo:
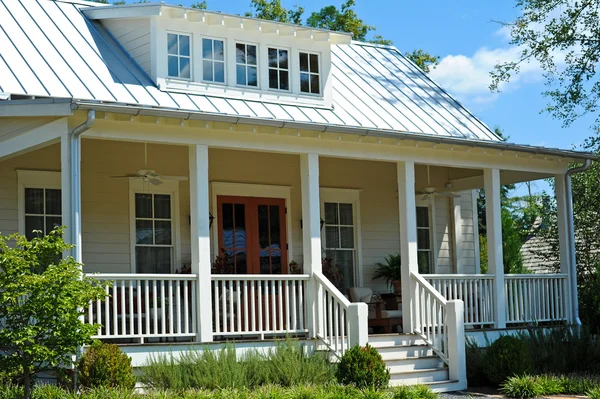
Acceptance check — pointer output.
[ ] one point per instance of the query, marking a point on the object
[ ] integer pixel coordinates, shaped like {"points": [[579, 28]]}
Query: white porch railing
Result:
{"points": [[258, 304], [140, 306], [475, 290], [535, 297]]}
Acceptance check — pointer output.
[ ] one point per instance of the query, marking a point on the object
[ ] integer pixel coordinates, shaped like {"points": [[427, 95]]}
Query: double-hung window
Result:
{"points": [[42, 210], [279, 71], [246, 68], [153, 233], [213, 60], [309, 73], [179, 56], [339, 239], [424, 249]]}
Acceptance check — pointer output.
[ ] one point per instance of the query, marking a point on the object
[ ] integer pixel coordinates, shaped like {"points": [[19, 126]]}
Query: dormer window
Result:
{"points": [[279, 72], [245, 65], [179, 56], [213, 60], [309, 73]]}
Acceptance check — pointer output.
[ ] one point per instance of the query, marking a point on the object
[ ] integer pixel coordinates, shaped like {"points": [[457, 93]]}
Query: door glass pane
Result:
{"points": [[275, 227], [52, 222], [346, 214], [143, 231], [162, 206], [332, 238], [53, 202], [227, 215], [423, 239], [34, 200], [263, 226], [143, 205], [424, 262], [33, 223], [162, 232], [240, 225], [422, 216], [331, 213], [346, 237], [153, 260]]}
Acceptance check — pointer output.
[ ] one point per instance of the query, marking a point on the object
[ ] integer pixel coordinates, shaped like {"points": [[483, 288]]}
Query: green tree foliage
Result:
{"points": [[41, 302], [272, 10], [343, 20], [200, 5], [423, 60], [562, 36]]}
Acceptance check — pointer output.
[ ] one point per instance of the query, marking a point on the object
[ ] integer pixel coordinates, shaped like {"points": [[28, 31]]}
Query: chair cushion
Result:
{"points": [[366, 298], [389, 314], [357, 293]]}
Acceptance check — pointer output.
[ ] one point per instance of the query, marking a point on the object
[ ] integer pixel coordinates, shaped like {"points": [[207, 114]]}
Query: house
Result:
{"points": [[165, 138]]}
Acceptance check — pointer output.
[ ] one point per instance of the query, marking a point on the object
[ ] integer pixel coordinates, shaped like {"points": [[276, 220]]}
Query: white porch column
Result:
{"points": [[200, 239], [564, 240], [65, 187], [408, 238], [311, 238], [493, 215]]}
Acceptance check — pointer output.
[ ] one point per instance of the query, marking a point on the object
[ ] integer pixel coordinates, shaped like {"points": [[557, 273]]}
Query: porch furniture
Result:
{"points": [[379, 316]]}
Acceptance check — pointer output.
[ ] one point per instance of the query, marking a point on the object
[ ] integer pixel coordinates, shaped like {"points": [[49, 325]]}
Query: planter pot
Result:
{"points": [[397, 286]]}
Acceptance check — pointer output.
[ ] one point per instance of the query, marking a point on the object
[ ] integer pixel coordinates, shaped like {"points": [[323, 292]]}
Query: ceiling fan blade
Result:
{"points": [[178, 178], [448, 194], [425, 197], [126, 177], [153, 180]]}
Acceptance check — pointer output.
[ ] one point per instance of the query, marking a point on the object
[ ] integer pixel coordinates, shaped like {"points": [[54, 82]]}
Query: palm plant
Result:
{"points": [[390, 271]]}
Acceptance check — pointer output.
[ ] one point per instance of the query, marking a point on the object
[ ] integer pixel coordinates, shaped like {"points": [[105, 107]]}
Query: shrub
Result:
{"points": [[104, 365], [594, 393], [527, 386], [363, 367], [524, 386], [413, 392], [506, 357], [475, 364]]}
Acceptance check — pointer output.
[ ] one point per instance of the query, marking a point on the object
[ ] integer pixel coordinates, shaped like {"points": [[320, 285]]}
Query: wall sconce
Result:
{"points": [[210, 220], [322, 223]]}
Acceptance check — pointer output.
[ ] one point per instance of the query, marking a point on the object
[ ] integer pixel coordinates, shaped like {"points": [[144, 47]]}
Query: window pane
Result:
{"points": [[219, 54], [171, 43], [263, 227], [304, 62], [143, 205], [283, 80], [219, 72], [252, 76], [52, 222], [162, 232], [332, 238], [207, 49], [273, 57], [143, 231], [173, 66], [184, 45], [345, 261], [273, 84], [240, 53], [422, 216], [33, 223], [424, 262], [240, 226], [184, 67], [314, 84], [34, 200], [207, 70], [347, 237], [53, 202], [162, 206], [240, 72], [304, 83], [314, 63], [283, 59], [227, 215], [251, 55], [153, 260], [331, 213], [423, 239], [275, 227], [346, 214]]}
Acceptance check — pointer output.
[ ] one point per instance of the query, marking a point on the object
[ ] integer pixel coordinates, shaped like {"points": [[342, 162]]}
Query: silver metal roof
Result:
{"points": [[50, 49]]}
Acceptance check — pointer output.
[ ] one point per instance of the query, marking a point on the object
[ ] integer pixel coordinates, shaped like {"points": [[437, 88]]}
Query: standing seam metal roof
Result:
{"points": [[50, 49]]}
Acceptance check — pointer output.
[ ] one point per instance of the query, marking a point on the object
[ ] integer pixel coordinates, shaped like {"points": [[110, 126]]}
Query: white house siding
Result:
{"points": [[469, 218], [105, 200], [134, 36]]}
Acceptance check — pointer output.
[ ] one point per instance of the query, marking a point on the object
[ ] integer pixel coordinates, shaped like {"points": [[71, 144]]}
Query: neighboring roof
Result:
{"points": [[536, 250]]}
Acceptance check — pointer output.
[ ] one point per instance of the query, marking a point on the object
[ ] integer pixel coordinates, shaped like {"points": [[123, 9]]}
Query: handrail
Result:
{"points": [[535, 276], [261, 277], [138, 276], [329, 286], [421, 280], [459, 276]]}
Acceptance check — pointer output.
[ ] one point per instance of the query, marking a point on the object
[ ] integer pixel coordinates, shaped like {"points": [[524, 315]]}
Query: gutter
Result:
{"points": [[571, 239], [327, 128]]}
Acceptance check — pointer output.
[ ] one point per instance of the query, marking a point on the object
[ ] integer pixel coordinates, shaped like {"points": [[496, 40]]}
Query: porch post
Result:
{"points": [[493, 216], [311, 238], [408, 238], [200, 239], [65, 188], [564, 241]]}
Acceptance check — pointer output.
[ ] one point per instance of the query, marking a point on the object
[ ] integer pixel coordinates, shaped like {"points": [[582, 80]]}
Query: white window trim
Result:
{"points": [[346, 196], [430, 203], [139, 186], [289, 69], [225, 61], [34, 179], [251, 190], [191, 57], [319, 74]]}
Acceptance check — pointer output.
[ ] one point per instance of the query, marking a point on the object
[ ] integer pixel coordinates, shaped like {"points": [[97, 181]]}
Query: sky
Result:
{"points": [[469, 39]]}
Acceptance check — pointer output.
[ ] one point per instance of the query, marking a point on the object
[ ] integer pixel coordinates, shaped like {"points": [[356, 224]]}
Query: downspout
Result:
{"points": [[571, 238]]}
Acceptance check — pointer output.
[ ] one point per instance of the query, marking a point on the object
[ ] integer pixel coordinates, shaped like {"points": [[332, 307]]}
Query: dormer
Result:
{"points": [[201, 52]]}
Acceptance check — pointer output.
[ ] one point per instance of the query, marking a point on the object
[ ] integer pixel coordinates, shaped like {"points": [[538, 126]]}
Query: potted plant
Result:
{"points": [[333, 272], [390, 271]]}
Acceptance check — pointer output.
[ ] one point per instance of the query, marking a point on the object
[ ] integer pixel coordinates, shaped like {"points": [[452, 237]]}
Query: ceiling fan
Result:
{"points": [[430, 191], [149, 175]]}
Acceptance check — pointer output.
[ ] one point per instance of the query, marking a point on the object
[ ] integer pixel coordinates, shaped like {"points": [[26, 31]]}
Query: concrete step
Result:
{"points": [[414, 363], [446, 386], [403, 352], [422, 376], [380, 340]]}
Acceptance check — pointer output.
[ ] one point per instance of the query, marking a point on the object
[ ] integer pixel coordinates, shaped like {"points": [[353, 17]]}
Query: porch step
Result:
{"points": [[419, 376], [381, 340], [405, 351]]}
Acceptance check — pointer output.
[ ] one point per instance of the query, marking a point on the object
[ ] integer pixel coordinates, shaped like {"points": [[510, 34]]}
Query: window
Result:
{"points": [[153, 233], [213, 60], [279, 72], [245, 64], [42, 210], [424, 252], [309, 73], [178, 54], [339, 238]]}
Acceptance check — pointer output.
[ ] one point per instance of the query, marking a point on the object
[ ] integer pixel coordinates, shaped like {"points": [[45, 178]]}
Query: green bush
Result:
{"points": [[475, 364], [363, 367], [527, 386], [594, 393], [104, 365], [506, 357], [413, 392]]}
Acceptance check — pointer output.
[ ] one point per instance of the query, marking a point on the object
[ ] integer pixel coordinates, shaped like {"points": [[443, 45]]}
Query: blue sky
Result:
{"points": [[463, 33]]}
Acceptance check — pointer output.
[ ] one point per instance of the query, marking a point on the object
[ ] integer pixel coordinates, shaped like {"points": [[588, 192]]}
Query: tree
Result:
{"points": [[272, 10], [41, 301], [563, 37], [200, 5], [343, 20], [423, 60]]}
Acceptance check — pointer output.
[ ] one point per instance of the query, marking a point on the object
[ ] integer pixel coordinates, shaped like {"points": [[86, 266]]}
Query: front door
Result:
{"points": [[252, 233]]}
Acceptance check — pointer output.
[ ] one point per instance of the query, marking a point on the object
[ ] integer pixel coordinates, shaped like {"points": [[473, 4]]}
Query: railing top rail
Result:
{"points": [[458, 276], [325, 281], [420, 280], [134, 276], [260, 277], [535, 276]]}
